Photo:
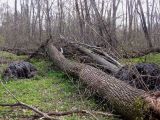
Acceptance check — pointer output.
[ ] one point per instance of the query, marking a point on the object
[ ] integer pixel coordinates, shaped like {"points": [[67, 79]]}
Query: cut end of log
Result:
{"points": [[153, 101]]}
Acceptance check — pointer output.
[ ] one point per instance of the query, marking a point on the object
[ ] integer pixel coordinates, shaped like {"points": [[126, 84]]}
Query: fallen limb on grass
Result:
{"points": [[20, 104], [48, 115], [81, 112], [130, 102]]}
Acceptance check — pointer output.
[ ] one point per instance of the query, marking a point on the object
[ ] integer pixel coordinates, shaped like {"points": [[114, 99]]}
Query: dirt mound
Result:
{"points": [[140, 73], [18, 70]]}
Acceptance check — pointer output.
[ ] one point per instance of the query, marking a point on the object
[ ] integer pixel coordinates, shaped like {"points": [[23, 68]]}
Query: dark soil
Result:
{"points": [[139, 74]]}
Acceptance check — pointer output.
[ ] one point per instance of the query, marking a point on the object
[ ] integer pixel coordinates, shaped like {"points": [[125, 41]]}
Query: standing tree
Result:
{"points": [[113, 32], [15, 21], [144, 25]]}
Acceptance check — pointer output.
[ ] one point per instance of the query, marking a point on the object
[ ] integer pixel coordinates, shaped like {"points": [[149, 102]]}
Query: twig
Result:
{"points": [[43, 115], [88, 112], [79, 111], [21, 104], [9, 92], [78, 43], [94, 49], [92, 113]]}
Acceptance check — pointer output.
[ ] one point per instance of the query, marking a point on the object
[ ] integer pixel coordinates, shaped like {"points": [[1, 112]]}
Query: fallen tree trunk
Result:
{"points": [[130, 102], [108, 57], [102, 58], [106, 64]]}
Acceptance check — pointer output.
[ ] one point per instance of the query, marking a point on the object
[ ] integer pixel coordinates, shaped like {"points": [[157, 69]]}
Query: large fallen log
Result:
{"points": [[130, 102]]}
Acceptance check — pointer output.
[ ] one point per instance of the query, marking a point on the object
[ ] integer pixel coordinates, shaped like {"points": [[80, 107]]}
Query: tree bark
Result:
{"points": [[113, 32], [80, 19], [15, 23], [48, 20], [144, 26], [103, 29], [124, 98], [100, 60]]}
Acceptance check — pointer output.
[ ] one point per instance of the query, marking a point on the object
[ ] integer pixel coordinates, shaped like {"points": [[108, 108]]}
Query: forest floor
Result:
{"points": [[52, 90]]}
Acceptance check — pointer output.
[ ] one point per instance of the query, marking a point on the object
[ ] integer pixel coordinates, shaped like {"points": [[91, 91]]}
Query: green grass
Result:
{"points": [[150, 58], [50, 90], [11, 57], [7, 57]]}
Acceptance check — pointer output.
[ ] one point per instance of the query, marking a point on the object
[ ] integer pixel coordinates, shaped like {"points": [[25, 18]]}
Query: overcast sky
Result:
{"points": [[119, 12], [10, 2]]}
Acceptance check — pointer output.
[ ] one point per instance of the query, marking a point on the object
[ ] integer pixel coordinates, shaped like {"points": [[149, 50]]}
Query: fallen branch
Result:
{"points": [[48, 115], [20, 104], [77, 42], [82, 112], [100, 60], [108, 57]]}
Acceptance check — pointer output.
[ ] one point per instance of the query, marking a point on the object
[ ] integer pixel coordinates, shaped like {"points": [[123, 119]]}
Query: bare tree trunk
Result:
{"points": [[113, 32], [60, 16], [102, 8], [103, 29], [15, 22], [123, 97], [130, 17], [27, 20], [48, 20], [99, 19], [40, 21], [80, 19], [148, 15], [152, 15], [144, 26], [88, 20]]}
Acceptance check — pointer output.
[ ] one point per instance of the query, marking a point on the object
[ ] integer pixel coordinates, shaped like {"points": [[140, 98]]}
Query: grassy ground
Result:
{"points": [[50, 90], [150, 58]]}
